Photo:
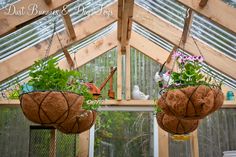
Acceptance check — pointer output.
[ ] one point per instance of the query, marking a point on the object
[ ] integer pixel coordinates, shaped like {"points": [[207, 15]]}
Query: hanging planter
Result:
{"points": [[193, 102], [50, 107], [173, 125], [56, 96], [187, 93], [79, 123]]}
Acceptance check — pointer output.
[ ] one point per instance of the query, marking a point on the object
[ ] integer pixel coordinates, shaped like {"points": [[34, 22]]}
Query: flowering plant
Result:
{"points": [[189, 72]]}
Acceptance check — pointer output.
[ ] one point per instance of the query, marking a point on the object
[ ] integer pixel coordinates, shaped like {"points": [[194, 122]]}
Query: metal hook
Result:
{"points": [[187, 13]]}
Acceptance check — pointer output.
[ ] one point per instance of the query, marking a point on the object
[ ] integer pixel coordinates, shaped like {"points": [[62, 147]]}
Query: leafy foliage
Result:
{"points": [[189, 71], [45, 75]]}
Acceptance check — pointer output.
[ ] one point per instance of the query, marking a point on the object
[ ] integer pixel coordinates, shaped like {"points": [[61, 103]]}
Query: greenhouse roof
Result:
{"points": [[158, 26]]}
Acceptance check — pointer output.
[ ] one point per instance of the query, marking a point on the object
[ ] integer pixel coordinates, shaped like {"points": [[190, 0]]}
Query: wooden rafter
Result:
{"points": [[173, 34], [125, 14], [149, 48], [68, 58], [10, 22], [216, 10], [92, 51], [68, 24], [26, 58]]}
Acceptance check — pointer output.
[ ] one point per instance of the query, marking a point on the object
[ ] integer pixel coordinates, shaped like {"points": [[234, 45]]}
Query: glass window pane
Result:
{"points": [[124, 134], [216, 133]]}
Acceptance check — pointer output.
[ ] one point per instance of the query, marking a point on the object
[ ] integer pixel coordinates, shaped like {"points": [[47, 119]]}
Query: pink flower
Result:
{"points": [[200, 59], [165, 86], [191, 58], [176, 55]]}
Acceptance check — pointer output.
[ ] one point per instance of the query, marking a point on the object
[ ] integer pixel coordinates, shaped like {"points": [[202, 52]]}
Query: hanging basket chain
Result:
{"points": [[50, 41]]}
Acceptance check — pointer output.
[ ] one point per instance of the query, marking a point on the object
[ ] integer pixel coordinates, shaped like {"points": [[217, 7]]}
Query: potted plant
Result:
{"points": [[58, 98], [190, 95]]}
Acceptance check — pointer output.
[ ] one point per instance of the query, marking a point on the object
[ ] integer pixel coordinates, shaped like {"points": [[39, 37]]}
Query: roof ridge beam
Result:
{"points": [[125, 15]]}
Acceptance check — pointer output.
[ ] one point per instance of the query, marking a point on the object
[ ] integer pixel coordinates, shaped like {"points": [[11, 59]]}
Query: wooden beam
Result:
{"points": [[119, 23], [173, 34], [194, 144], [163, 142], [215, 10], [125, 13], [203, 3], [68, 58], [128, 73], [149, 48], [171, 53], [92, 51], [68, 24], [53, 143], [136, 103], [9, 21], [119, 72], [187, 26], [26, 58], [84, 144]]}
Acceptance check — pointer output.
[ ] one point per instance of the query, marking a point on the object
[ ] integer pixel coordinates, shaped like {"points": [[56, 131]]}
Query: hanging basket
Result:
{"points": [[176, 126], [83, 121], [193, 102], [50, 107]]}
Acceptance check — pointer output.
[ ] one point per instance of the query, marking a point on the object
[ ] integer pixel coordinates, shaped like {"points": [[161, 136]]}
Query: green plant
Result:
{"points": [[45, 75], [189, 73], [157, 109], [190, 70], [14, 94]]}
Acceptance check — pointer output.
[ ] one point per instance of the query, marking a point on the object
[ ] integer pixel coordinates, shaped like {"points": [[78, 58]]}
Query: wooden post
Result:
{"points": [[119, 72], [84, 144], [163, 143], [125, 15], [194, 144], [127, 72], [68, 24], [53, 142]]}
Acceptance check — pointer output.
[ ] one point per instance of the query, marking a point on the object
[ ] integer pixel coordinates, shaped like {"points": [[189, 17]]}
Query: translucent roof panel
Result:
{"points": [[5, 3], [42, 29], [202, 28], [152, 37], [214, 36], [166, 45], [21, 77], [167, 9], [231, 2]]}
